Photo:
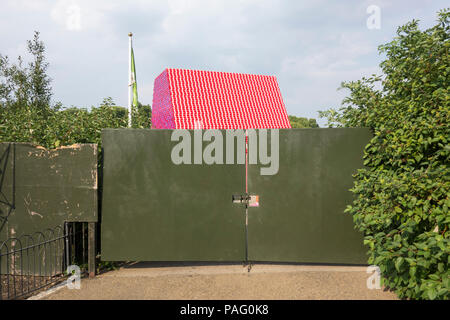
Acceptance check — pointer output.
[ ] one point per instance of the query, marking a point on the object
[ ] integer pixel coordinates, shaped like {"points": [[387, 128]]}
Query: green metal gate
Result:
{"points": [[301, 216], [154, 210]]}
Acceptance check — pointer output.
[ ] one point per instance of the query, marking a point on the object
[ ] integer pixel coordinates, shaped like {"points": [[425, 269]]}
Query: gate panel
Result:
{"points": [[300, 216], [155, 210]]}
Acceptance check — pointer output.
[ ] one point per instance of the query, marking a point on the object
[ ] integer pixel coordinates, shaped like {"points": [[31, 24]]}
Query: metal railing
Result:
{"points": [[32, 262]]}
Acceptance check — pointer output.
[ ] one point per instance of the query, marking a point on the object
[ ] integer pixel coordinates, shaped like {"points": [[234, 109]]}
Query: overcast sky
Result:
{"points": [[310, 46]]}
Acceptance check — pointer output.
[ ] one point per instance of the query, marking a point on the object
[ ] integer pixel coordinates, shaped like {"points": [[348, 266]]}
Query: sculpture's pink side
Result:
{"points": [[162, 108]]}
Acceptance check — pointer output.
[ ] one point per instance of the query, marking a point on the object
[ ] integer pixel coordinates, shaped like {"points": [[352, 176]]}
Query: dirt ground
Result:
{"points": [[264, 281]]}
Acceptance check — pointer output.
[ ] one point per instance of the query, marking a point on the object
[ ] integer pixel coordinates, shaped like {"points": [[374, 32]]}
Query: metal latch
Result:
{"points": [[247, 199], [240, 198]]}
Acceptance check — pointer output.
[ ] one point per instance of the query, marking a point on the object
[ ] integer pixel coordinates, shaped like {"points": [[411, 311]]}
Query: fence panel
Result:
{"points": [[41, 188], [35, 261]]}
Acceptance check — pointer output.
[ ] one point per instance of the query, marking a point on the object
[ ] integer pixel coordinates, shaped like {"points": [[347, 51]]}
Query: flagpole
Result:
{"points": [[130, 36]]}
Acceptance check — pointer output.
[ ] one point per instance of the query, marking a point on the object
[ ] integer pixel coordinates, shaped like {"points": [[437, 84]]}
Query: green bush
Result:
{"points": [[299, 122], [402, 195]]}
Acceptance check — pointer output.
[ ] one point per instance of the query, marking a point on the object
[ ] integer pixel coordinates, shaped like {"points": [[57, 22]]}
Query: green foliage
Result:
{"points": [[141, 116], [402, 194], [299, 122], [68, 126], [104, 266], [26, 114], [26, 86]]}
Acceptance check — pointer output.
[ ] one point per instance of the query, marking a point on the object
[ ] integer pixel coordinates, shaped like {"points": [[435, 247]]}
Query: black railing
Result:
{"points": [[32, 262]]}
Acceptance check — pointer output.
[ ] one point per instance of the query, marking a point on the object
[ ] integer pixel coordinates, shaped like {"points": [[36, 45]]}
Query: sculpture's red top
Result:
{"points": [[191, 99]]}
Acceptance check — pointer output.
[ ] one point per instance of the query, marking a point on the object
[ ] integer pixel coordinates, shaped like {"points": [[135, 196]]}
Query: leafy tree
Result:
{"points": [[25, 93], [402, 194], [26, 113], [299, 122], [39, 81]]}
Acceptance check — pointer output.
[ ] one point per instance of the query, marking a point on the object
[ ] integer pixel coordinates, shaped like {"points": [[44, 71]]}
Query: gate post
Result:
{"points": [[91, 249]]}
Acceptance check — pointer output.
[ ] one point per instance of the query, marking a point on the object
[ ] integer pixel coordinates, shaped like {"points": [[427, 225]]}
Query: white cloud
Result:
{"points": [[68, 15], [311, 46], [76, 15], [26, 5]]}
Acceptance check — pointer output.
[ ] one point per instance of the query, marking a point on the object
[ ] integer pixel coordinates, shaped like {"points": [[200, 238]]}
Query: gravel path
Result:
{"points": [[264, 281]]}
